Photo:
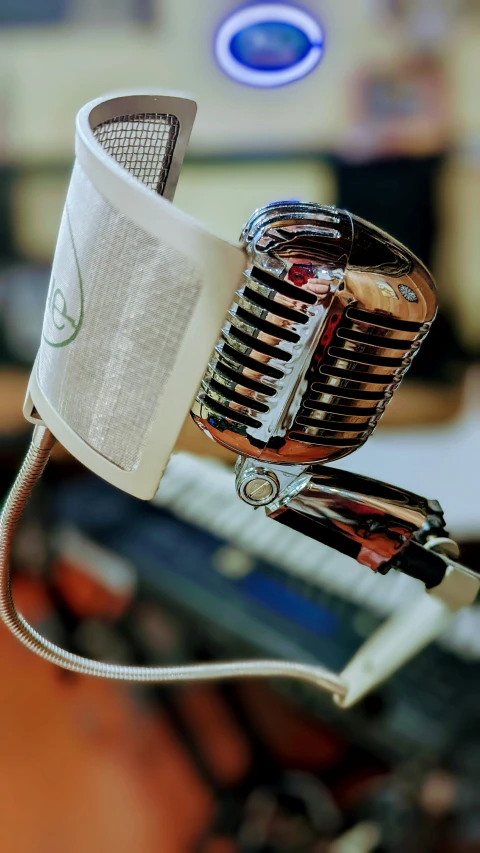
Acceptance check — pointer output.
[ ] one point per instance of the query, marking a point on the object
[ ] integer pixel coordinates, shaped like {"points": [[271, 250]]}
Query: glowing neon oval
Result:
{"points": [[268, 45]]}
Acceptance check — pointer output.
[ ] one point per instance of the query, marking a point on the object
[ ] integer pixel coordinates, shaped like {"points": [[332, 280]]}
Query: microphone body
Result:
{"points": [[330, 315]]}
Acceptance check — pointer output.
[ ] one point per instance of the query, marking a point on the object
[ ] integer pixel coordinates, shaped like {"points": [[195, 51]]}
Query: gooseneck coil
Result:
{"points": [[30, 472]]}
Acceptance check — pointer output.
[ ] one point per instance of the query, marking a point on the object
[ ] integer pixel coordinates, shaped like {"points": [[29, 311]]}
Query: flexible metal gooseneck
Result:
{"points": [[30, 472]]}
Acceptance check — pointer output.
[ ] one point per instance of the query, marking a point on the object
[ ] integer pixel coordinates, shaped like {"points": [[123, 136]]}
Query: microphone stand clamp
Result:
{"points": [[382, 527]]}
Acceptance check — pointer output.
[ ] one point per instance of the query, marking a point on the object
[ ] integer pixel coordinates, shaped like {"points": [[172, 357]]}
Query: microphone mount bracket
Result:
{"points": [[382, 527], [379, 525]]}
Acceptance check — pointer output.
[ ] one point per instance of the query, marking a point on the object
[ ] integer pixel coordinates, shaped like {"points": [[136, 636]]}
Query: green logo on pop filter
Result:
{"points": [[64, 314]]}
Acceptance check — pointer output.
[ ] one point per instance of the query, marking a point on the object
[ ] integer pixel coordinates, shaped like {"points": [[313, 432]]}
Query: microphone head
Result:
{"points": [[137, 297], [330, 315]]}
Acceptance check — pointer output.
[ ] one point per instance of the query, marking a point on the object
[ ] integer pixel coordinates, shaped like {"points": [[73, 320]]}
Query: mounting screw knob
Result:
{"points": [[258, 490]]}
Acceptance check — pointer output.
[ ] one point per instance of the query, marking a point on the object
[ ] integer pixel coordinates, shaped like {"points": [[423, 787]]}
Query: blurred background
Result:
{"points": [[388, 126]]}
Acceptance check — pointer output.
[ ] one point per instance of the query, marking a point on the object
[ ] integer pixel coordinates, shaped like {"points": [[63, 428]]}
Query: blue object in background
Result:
{"points": [[269, 44], [286, 602], [28, 12]]}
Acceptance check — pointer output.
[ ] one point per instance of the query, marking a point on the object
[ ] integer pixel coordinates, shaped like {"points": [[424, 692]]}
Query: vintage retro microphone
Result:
{"points": [[312, 322]]}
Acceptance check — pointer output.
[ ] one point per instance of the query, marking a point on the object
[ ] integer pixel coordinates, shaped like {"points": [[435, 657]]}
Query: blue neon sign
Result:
{"points": [[269, 44]]}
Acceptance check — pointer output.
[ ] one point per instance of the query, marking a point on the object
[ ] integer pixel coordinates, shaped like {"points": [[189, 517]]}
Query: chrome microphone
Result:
{"points": [[330, 315]]}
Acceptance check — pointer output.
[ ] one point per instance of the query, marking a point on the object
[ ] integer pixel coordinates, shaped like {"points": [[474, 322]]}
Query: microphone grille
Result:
{"points": [[360, 367], [317, 340]]}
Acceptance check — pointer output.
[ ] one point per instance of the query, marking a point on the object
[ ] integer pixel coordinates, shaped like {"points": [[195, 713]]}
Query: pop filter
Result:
{"points": [[137, 296]]}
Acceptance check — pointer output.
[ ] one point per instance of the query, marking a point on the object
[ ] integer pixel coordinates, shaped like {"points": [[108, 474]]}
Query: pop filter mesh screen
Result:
{"points": [[143, 144], [119, 302]]}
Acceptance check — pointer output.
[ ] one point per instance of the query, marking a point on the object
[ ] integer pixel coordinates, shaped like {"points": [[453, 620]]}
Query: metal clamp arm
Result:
{"points": [[376, 524], [382, 527]]}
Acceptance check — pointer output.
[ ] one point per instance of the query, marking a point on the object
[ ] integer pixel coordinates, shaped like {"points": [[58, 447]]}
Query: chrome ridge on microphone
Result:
{"points": [[330, 313]]}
